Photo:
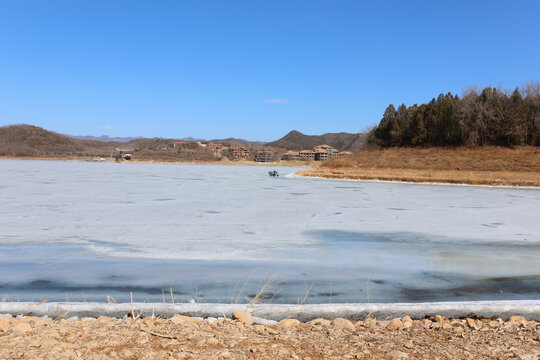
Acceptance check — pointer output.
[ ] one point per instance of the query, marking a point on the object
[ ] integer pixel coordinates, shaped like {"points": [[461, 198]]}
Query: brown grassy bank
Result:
{"points": [[478, 166]]}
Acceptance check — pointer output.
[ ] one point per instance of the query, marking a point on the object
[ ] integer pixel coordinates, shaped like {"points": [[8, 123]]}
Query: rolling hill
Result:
{"points": [[29, 140], [295, 140]]}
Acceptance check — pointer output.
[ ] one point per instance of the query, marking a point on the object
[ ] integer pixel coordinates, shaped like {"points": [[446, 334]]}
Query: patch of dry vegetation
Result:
{"points": [[518, 166]]}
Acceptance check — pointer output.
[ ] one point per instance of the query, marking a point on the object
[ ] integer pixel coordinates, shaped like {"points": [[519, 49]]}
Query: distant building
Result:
{"points": [[264, 155], [290, 156], [238, 152], [306, 154], [345, 154], [325, 152], [318, 153], [215, 147]]}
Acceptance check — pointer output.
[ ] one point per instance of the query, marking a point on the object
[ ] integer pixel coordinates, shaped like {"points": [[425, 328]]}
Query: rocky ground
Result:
{"points": [[182, 337]]}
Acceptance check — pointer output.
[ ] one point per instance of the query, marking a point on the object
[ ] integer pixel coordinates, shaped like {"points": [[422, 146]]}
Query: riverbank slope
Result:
{"points": [[519, 166]]}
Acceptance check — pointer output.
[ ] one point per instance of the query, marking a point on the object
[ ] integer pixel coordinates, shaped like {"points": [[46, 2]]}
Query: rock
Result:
{"points": [[288, 323], [494, 324], [409, 344], [439, 319], [183, 320], [341, 323], [517, 320], [457, 323], [394, 324], [446, 326], [370, 323], [320, 321], [383, 323], [406, 318], [417, 324], [407, 324], [471, 323], [243, 317]]}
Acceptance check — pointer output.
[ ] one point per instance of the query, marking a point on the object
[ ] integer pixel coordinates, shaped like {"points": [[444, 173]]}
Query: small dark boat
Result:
{"points": [[273, 173]]}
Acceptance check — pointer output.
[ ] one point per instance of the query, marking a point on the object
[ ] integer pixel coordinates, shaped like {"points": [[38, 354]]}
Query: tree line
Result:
{"points": [[489, 117]]}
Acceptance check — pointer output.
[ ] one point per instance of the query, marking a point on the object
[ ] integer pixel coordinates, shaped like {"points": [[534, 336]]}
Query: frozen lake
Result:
{"points": [[85, 231]]}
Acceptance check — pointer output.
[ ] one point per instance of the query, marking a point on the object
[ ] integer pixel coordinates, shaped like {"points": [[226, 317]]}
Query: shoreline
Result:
{"points": [[529, 309], [110, 160], [375, 180], [519, 180], [439, 177]]}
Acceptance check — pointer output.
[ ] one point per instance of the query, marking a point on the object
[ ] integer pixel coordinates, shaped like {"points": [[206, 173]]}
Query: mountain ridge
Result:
{"points": [[30, 140], [295, 140]]}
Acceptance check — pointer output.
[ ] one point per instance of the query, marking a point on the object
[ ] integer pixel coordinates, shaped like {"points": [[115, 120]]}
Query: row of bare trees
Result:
{"points": [[488, 117]]}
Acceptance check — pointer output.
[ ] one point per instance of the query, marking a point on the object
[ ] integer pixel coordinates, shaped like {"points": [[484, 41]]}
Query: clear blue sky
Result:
{"points": [[251, 69]]}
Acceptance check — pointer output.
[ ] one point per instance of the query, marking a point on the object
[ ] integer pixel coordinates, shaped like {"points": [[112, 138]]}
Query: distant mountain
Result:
{"points": [[29, 140], [234, 141], [295, 140], [105, 138], [190, 139]]}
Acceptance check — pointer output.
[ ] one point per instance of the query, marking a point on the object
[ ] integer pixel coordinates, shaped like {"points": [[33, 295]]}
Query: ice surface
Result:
{"points": [[202, 230]]}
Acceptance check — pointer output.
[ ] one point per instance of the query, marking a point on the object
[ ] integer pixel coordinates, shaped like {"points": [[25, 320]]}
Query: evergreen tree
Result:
{"points": [[383, 131]]}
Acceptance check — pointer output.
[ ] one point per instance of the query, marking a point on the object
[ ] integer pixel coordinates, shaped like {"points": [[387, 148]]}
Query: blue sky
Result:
{"points": [[250, 69]]}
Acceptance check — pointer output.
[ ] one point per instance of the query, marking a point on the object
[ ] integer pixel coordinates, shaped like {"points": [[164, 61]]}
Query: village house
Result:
{"points": [[306, 154], [332, 152], [264, 155], [345, 154], [290, 156], [238, 152], [215, 147], [318, 153]]}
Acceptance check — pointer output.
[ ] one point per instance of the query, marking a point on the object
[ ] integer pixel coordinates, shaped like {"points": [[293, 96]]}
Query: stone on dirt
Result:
{"points": [[395, 324], [243, 317]]}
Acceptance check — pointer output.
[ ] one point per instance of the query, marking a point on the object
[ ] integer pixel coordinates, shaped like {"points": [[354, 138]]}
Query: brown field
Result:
{"points": [[478, 166]]}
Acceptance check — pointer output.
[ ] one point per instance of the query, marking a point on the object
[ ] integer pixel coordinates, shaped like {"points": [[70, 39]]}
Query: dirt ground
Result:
{"points": [[187, 338]]}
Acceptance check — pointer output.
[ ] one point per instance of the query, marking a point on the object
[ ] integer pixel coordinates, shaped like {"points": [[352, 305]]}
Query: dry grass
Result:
{"points": [[480, 166]]}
